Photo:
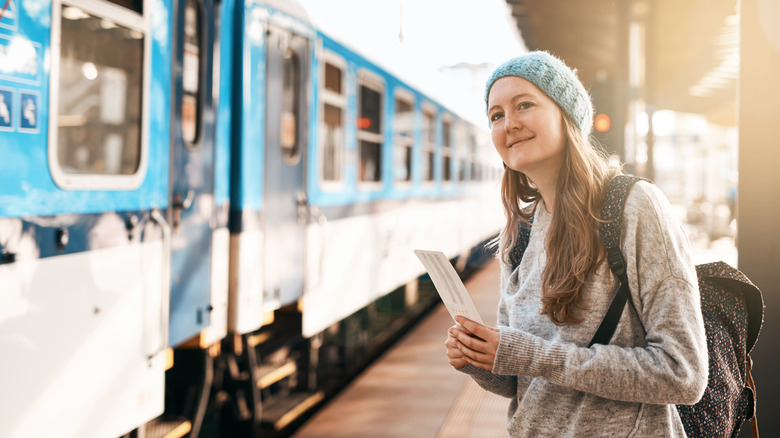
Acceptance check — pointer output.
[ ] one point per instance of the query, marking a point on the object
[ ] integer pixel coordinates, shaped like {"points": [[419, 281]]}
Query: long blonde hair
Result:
{"points": [[574, 249]]}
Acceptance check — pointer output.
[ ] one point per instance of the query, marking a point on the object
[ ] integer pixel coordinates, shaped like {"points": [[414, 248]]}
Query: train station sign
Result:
{"points": [[19, 60]]}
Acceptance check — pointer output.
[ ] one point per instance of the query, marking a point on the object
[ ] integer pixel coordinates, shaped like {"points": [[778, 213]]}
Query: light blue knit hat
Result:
{"points": [[555, 79]]}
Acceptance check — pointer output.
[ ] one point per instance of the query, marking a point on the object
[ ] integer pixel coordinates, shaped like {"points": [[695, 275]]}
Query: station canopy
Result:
{"points": [[691, 48]]}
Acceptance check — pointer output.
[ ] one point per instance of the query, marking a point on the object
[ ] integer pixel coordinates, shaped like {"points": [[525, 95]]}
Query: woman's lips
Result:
{"points": [[517, 142]]}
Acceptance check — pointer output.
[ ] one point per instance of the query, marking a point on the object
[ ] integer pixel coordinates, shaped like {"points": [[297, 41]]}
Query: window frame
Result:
{"points": [[448, 150], [293, 154], [429, 146], [134, 21], [196, 141], [337, 100], [405, 95], [375, 82]]}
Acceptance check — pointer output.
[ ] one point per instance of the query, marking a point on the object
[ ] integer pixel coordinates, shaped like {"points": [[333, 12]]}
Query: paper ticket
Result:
{"points": [[448, 284]]}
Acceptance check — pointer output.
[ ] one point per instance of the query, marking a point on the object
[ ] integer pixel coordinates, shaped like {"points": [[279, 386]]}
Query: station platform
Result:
{"points": [[412, 391]]}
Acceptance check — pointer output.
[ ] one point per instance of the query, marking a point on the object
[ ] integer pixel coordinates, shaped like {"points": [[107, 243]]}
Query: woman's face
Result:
{"points": [[526, 128]]}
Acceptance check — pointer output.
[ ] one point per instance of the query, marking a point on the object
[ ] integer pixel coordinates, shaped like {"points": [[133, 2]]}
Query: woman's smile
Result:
{"points": [[520, 141]]}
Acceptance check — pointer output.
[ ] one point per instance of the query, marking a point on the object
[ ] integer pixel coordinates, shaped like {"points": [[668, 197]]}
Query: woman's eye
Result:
{"points": [[496, 116], [525, 105]]}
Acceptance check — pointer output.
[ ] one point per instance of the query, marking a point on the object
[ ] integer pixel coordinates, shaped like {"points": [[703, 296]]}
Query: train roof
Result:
{"points": [[423, 86], [289, 7]]}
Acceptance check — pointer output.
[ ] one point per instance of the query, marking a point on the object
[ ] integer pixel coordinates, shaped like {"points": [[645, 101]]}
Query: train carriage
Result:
{"points": [[207, 213], [84, 239]]}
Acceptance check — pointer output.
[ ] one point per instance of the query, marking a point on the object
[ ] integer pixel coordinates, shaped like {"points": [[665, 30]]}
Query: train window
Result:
{"points": [[403, 136], [133, 5], [333, 78], [190, 78], [216, 59], [446, 148], [429, 142], [331, 128], [488, 168], [291, 89], [462, 165], [370, 130], [333, 139], [474, 158], [96, 108]]}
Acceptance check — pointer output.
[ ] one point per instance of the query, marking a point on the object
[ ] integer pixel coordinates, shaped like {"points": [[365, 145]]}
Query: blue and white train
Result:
{"points": [[207, 212]]}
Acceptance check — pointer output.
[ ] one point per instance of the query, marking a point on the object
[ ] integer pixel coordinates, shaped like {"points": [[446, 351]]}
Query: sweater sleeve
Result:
{"points": [[505, 386], [670, 365]]}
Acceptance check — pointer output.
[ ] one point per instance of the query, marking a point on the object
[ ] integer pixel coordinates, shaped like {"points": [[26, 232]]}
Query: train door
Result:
{"points": [[285, 198], [192, 170]]}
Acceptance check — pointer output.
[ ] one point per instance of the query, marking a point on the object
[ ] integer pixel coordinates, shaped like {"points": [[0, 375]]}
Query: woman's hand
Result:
{"points": [[453, 349], [472, 343]]}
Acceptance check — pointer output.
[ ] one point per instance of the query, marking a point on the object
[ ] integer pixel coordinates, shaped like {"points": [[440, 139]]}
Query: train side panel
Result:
{"points": [[193, 204], [83, 179]]}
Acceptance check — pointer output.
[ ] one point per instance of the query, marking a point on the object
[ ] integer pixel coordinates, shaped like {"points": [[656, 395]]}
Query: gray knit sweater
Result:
{"points": [[657, 358]]}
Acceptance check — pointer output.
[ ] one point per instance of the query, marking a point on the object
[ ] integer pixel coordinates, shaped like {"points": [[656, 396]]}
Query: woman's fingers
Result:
{"points": [[477, 350], [454, 353], [452, 343], [472, 343], [477, 355], [477, 342], [479, 330]]}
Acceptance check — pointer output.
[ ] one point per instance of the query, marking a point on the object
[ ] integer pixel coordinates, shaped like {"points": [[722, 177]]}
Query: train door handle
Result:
{"points": [[184, 204], [179, 205], [7, 258]]}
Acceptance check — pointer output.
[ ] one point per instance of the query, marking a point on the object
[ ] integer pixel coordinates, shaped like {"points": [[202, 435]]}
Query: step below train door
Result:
{"points": [[285, 197], [192, 171]]}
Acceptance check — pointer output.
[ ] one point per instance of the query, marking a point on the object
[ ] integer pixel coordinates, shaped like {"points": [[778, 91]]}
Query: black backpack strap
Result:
{"points": [[523, 236], [609, 230]]}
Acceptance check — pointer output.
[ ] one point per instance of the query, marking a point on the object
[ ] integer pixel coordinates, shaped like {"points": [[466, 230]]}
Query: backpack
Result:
{"points": [[733, 312]]}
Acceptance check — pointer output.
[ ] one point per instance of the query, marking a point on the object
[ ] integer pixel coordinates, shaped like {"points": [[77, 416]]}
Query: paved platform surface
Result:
{"points": [[412, 391]]}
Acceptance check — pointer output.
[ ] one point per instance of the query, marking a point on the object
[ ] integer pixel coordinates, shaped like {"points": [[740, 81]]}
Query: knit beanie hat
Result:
{"points": [[555, 79]]}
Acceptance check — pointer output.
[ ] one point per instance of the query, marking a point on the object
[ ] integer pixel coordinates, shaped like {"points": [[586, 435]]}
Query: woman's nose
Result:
{"points": [[513, 122]]}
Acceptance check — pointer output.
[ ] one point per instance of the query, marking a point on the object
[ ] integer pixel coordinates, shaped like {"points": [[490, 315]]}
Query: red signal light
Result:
{"points": [[363, 122], [602, 122]]}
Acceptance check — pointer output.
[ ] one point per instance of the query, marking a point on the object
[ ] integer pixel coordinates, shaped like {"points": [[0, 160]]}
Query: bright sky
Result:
{"points": [[436, 34]]}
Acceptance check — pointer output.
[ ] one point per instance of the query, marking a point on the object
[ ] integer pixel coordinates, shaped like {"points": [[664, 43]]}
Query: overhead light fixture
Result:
{"points": [[724, 74]]}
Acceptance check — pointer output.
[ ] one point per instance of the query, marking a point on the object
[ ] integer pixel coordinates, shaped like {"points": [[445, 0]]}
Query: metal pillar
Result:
{"points": [[758, 204]]}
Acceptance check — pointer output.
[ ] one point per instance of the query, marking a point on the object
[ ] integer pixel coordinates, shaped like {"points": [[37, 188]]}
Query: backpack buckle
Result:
{"points": [[616, 261]]}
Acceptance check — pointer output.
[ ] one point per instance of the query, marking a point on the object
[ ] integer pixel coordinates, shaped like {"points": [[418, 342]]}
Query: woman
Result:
{"points": [[553, 301]]}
